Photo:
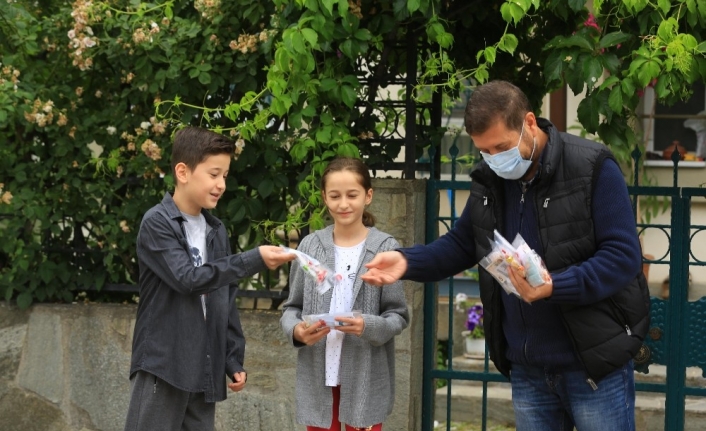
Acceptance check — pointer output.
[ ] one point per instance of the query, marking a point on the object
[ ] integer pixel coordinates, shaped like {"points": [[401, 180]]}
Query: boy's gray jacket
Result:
{"points": [[172, 339], [367, 372]]}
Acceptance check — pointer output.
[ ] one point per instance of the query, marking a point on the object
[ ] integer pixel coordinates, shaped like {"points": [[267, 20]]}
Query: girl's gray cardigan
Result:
{"points": [[367, 362]]}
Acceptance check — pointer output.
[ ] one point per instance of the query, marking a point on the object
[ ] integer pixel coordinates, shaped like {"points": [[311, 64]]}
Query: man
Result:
{"points": [[567, 345]]}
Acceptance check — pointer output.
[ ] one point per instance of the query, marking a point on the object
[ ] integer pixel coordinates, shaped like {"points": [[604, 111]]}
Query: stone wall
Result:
{"points": [[64, 367]]}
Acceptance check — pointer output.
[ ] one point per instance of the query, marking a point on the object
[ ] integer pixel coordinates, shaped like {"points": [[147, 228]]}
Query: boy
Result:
{"points": [[187, 333]]}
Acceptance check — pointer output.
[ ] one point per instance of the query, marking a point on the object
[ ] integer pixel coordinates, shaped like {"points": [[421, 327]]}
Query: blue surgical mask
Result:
{"points": [[510, 164]]}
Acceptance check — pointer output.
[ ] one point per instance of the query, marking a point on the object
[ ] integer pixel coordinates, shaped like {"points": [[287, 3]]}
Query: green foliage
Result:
{"points": [[612, 56], [91, 92]]}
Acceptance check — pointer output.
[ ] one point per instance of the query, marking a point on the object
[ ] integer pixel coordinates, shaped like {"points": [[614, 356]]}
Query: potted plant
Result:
{"points": [[474, 335]]}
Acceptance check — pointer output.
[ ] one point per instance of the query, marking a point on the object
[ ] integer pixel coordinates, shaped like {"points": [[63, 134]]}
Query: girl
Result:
{"points": [[346, 375]]}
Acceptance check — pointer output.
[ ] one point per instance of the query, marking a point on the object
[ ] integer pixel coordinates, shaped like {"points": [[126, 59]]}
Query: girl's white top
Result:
{"points": [[341, 301]]}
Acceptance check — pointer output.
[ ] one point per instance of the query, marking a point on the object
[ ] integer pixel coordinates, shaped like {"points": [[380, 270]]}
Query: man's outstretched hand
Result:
{"points": [[385, 268]]}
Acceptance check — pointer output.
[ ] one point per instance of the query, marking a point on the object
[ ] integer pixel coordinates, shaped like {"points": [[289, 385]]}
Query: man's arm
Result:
{"points": [[618, 257], [448, 255]]}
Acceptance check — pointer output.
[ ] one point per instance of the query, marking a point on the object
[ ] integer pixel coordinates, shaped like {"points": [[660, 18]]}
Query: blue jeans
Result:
{"points": [[547, 399]]}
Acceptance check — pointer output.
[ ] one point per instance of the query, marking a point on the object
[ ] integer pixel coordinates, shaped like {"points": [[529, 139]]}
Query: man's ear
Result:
{"points": [[181, 172]]}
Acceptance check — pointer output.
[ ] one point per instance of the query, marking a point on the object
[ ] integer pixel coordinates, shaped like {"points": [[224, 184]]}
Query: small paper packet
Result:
{"points": [[535, 271], [325, 278], [518, 255], [329, 318]]}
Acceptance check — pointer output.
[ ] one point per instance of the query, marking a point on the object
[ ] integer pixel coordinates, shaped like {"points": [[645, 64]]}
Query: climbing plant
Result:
{"points": [[92, 91]]}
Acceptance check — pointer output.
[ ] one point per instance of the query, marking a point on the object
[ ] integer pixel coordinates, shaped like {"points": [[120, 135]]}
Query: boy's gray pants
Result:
{"points": [[156, 405]]}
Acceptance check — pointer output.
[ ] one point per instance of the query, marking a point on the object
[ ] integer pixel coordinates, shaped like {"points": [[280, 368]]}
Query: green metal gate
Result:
{"points": [[677, 336]]}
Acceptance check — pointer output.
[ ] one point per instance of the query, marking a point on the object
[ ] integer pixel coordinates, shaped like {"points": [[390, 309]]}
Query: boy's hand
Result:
{"points": [[275, 256], [310, 335], [239, 381], [352, 325]]}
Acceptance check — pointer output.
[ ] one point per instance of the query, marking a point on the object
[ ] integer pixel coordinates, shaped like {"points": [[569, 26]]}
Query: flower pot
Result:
{"points": [[475, 347]]}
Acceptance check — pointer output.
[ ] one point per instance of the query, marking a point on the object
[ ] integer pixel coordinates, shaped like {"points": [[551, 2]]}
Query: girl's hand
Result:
{"points": [[352, 325], [310, 335]]}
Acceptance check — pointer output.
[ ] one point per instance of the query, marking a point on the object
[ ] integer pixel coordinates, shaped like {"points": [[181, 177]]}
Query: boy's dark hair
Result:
{"points": [[496, 100], [357, 167], [193, 144]]}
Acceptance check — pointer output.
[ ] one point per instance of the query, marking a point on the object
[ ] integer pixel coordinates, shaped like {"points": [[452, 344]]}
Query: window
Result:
{"points": [[667, 123]]}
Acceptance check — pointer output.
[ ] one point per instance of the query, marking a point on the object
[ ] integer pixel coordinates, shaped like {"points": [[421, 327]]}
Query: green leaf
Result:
{"points": [[413, 5], [348, 150], [323, 135], [24, 300], [662, 87], [363, 34], [347, 48], [309, 110], [614, 38], [609, 81], [574, 77], [577, 5], [204, 78], [348, 95], [612, 136], [611, 62], [328, 4], [310, 36], [592, 70], [664, 5], [328, 83], [615, 100], [489, 54], [298, 42], [168, 12], [554, 66], [508, 43], [265, 187], [445, 40], [588, 113], [627, 86], [575, 40], [647, 72], [511, 12], [667, 29]]}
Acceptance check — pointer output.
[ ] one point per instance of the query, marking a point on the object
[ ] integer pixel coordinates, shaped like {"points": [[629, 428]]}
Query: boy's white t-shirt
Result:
{"points": [[346, 259], [196, 230]]}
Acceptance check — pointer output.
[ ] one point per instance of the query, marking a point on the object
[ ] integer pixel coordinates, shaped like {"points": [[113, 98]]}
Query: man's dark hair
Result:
{"points": [[496, 100], [193, 144]]}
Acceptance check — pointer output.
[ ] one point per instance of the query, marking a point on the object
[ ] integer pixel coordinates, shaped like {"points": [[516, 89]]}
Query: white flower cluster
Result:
{"points": [[208, 8], [6, 197], [9, 74], [42, 114], [81, 36], [248, 42], [239, 146]]}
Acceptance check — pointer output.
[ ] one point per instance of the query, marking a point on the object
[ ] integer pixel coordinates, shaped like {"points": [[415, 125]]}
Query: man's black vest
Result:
{"points": [[605, 335]]}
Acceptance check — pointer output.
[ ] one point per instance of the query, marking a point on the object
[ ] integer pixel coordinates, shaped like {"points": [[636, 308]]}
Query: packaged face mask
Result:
{"points": [[524, 261], [325, 278], [330, 318]]}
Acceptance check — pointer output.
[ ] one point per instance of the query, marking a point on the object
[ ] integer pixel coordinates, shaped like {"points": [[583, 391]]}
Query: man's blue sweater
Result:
{"points": [[535, 332]]}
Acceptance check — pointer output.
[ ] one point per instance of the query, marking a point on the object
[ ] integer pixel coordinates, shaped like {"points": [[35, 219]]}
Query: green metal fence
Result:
{"points": [[677, 333]]}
